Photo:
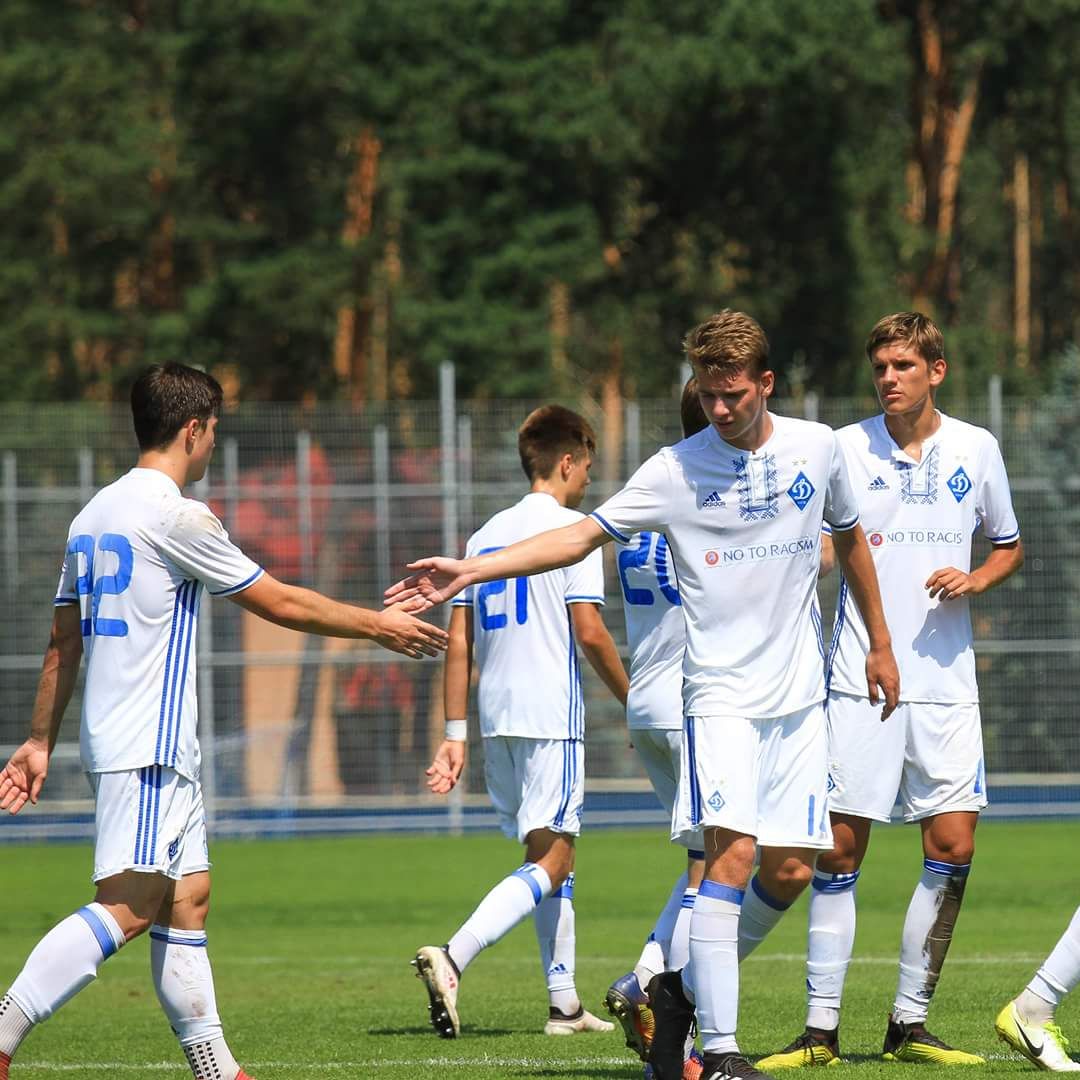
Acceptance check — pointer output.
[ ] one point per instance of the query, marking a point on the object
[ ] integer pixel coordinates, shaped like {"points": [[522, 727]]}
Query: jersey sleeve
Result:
{"points": [[841, 505], [67, 588], [198, 544], [642, 505], [585, 580], [993, 501]]}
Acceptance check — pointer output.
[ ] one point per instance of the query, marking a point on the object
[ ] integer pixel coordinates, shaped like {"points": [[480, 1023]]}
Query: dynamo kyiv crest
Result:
{"points": [[801, 491], [959, 484]]}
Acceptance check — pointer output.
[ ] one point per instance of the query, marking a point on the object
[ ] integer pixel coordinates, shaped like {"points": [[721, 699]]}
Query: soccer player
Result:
{"points": [[925, 483], [657, 638], [1027, 1022], [137, 560], [525, 633], [741, 504]]}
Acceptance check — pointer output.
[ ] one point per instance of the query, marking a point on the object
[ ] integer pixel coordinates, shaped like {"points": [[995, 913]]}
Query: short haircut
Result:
{"points": [[911, 329], [727, 343], [690, 410], [547, 434], [166, 396]]}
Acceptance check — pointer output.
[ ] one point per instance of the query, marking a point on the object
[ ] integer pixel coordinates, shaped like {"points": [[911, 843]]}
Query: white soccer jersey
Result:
{"points": [[138, 556], [744, 532], [655, 632], [919, 517], [529, 676]]}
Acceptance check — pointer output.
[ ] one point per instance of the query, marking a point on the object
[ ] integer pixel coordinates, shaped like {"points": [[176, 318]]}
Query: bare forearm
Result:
{"points": [[604, 659], [1001, 563], [312, 613], [457, 676], [55, 687], [857, 565], [546, 551]]}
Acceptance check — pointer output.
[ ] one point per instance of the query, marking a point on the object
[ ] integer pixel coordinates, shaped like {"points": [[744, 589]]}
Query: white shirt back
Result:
{"points": [[523, 640], [919, 517], [137, 558], [744, 533], [655, 632]]}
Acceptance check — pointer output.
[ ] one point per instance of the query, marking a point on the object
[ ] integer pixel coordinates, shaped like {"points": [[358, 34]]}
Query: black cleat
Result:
{"points": [[728, 1067], [673, 1017]]}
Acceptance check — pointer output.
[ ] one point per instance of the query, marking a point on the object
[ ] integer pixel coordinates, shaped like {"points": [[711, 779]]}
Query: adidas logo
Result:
{"points": [[877, 484], [557, 969], [712, 502]]}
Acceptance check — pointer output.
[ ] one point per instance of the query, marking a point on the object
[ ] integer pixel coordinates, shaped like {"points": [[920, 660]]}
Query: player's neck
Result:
{"points": [[755, 436], [909, 430], [553, 487], [166, 463]]}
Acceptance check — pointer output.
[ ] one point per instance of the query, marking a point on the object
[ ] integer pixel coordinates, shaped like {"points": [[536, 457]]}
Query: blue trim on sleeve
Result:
{"points": [[1011, 538], [64, 601], [609, 528], [243, 584], [842, 528], [693, 853], [764, 897], [584, 599], [713, 890], [104, 938]]}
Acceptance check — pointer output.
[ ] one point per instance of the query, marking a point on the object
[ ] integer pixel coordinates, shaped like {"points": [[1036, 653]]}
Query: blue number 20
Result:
{"points": [[631, 558], [106, 585], [497, 620]]}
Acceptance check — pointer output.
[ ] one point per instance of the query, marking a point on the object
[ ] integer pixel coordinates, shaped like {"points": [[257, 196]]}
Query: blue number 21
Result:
{"points": [[497, 620], [105, 585]]}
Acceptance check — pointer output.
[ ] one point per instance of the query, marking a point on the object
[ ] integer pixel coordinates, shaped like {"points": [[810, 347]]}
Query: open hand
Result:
{"points": [[22, 777], [949, 583], [434, 581], [403, 633], [445, 770], [881, 671]]}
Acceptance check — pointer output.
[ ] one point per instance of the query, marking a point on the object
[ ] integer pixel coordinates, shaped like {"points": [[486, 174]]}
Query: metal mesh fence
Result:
{"points": [[341, 498]]}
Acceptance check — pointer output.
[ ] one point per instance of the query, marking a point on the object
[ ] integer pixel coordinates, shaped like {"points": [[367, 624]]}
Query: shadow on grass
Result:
{"points": [[425, 1029]]}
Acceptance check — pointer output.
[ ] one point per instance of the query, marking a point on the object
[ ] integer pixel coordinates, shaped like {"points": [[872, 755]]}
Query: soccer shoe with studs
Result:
{"points": [[1044, 1045], [440, 977], [582, 1021], [912, 1043], [812, 1047], [673, 1017], [5, 1062], [731, 1066], [626, 1001], [241, 1075], [691, 1067]]}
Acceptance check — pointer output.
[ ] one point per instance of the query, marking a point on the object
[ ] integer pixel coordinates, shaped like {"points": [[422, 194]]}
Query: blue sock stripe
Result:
{"points": [[765, 898], [525, 873], [101, 931], [693, 853], [833, 883], [945, 869], [164, 935], [713, 890], [689, 898], [566, 890]]}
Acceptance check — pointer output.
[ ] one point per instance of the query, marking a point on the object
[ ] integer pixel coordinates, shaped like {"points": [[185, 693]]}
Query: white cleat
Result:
{"points": [[438, 974], [582, 1021], [1044, 1045]]}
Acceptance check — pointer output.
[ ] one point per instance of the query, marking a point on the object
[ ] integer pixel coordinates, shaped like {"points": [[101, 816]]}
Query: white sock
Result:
{"points": [[1059, 975], [554, 920], [679, 955], [180, 968], [64, 961], [760, 913], [714, 954], [928, 930], [830, 941], [654, 955], [499, 912], [15, 1025]]}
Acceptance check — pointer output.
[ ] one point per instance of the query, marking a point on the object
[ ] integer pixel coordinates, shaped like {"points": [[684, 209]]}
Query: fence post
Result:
{"points": [[204, 650], [303, 507], [997, 413], [11, 525], [465, 487], [86, 474], [448, 457], [633, 438], [381, 447]]}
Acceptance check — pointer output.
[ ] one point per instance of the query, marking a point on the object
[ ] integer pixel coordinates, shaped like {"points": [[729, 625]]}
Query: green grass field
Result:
{"points": [[311, 940]]}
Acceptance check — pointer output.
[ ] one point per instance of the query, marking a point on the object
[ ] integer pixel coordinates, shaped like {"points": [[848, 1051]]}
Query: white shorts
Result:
{"points": [[535, 783], [931, 755], [151, 820], [765, 778], [660, 751]]}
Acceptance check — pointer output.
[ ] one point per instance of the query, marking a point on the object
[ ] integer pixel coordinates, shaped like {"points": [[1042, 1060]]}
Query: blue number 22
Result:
{"points": [[497, 620], [105, 585]]}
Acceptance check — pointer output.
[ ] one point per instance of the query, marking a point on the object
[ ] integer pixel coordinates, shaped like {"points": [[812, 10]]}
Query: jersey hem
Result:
{"points": [[730, 714], [143, 764], [833, 689], [584, 599], [609, 528]]}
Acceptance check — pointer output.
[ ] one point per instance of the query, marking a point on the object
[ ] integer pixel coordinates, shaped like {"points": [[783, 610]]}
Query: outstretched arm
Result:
{"points": [[439, 579], [449, 761], [1002, 562], [23, 776], [304, 609], [857, 565], [599, 649]]}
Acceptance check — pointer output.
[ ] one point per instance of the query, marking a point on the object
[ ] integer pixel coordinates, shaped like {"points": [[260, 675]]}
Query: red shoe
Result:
{"points": [[5, 1061], [241, 1075]]}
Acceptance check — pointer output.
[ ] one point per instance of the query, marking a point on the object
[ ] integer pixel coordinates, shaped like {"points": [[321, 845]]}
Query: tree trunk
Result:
{"points": [[611, 401], [1022, 260]]}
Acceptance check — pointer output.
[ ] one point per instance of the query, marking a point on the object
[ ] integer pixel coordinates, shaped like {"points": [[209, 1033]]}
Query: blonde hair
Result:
{"points": [[727, 343]]}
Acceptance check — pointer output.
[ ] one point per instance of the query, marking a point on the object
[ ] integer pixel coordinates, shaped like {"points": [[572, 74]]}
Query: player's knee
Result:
{"points": [[958, 850], [786, 881]]}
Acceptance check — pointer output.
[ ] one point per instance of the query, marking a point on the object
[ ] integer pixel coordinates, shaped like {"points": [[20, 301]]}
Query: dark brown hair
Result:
{"points": [[690, 410], [911, 329], [166, 396], [547, 434]]}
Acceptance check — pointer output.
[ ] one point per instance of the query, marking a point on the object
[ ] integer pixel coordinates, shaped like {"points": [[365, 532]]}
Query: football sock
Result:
{"points": [[64, 961], [760, 913], [714, 953], [830, 941], [554, 920], [14, 1026], [654, 955], [928, 931], [499, 912], [1059, 974], [180, 968], [679, 954]]}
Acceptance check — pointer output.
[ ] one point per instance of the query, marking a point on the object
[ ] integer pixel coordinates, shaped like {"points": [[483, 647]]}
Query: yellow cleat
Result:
{"points": [[1044, 1045], [914, 1044], [811, 1048]]}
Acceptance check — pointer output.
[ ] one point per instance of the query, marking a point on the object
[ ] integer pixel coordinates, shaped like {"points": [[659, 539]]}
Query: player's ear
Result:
{"points": [[767, 382], [566, 465], [938, 368]]}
